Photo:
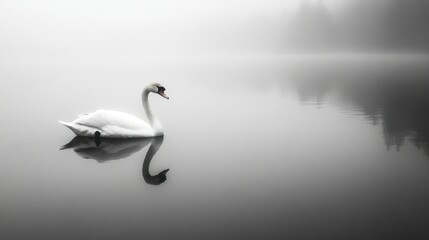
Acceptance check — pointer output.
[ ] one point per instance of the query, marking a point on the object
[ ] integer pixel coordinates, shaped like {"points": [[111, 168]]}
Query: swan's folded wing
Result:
{"points": [[104, 118]]}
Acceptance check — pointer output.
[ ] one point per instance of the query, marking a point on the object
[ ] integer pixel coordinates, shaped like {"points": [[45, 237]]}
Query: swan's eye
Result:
{"points": [[161, 89]]}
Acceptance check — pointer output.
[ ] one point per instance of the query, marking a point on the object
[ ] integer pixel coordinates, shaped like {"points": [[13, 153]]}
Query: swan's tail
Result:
{"points": [[70, 125], [67, 124]]}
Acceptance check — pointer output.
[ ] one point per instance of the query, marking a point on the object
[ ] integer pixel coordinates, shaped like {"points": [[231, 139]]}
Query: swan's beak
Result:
{"points": [[163, 94]]}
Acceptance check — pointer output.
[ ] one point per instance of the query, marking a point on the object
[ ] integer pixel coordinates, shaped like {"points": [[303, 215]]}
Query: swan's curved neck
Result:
{"points": [[153, 120]]}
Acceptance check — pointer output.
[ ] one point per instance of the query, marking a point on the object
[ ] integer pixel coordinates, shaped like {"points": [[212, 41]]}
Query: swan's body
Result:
{"points": [[114, 124]]}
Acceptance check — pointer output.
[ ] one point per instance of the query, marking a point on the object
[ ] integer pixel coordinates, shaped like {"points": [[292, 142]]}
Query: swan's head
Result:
{"points": [[157, 88]]}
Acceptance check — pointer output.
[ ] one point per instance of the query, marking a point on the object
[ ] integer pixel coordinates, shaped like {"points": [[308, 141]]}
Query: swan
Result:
{"points": [[114, 124]]}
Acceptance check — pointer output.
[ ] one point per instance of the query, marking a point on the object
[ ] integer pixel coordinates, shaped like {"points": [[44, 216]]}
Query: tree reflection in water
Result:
{"points": [[396, 96]]}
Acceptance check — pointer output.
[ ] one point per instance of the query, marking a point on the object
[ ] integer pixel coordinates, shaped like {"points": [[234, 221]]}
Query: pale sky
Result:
{"points": [[107, 27]]}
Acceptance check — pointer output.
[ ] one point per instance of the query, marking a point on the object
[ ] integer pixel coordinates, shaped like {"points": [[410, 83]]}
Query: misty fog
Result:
{"points": [[143, 28]]}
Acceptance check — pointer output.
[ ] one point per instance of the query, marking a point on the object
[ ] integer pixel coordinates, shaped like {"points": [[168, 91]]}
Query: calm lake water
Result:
{"points": [[257, 148]]}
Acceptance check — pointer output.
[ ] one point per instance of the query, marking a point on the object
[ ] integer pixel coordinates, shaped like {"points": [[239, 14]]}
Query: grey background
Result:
{"points": [[286, 119]]}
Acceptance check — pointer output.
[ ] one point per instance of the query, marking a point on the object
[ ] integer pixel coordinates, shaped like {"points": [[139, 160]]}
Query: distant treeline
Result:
{"points": [[385, 25]]}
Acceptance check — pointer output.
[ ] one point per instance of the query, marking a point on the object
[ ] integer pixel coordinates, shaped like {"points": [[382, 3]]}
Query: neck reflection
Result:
{"points": [[107, 149], [161, 176]]}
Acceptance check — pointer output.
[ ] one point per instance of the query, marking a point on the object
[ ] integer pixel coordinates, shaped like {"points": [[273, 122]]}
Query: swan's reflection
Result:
{"points": [[106, 149]]}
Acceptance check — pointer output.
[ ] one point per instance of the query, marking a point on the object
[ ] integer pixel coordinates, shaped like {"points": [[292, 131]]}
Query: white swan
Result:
{"points": [[113, 124]]}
